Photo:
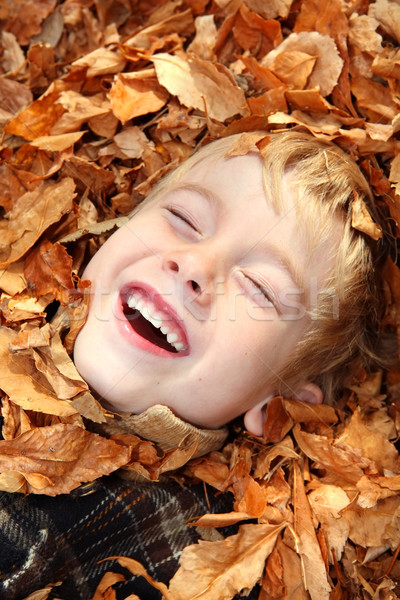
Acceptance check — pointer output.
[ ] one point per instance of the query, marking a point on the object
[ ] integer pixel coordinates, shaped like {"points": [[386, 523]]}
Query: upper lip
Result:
{"points": [[160, 303]]}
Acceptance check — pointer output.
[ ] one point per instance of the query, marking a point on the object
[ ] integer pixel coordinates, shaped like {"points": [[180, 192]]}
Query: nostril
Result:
{"points": [[195, 286], [173, 266]]}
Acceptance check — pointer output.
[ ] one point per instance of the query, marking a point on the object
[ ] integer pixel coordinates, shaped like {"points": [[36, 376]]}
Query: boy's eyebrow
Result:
{"points": [[201, 191], [284, 260]]}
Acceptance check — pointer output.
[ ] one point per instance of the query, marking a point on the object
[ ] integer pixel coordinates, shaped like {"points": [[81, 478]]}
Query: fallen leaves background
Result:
{"points": [[98, 100]]}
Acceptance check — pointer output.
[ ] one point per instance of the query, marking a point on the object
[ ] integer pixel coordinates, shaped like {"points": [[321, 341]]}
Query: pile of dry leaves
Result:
{"points": [[99, 99]]}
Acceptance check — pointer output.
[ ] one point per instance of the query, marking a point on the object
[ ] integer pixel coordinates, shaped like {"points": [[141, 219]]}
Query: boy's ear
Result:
{"points": [[309, 392], [254, 418]]}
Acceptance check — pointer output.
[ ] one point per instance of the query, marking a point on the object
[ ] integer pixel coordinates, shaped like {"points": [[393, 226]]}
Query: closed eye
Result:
{"points": [[264, 295], [179, 214]]}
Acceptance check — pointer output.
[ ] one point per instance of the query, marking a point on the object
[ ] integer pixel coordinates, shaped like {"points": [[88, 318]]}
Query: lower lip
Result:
{"points": [[134, 339]]}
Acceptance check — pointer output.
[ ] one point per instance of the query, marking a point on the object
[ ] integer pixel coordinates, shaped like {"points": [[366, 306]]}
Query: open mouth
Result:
{"points": [[151, 323]]}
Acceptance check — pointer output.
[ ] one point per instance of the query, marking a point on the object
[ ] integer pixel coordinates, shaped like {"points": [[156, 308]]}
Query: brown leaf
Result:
{"points": [[57, 459], [137, 569], [15, 419], [23, 307], [25, 18], [204, 42], [136, 94], [374, 526], [372, 445], [59, 370], [219, 570], [362, 220], [78, 109], [291, 571], [19, 380], [317, 56], [107, 582], [363, 34], [375, 488], [250, 496], [273, 585], [387, 13], [101, 61], [33, 214], [48, 270], [14, 96], [38, 118], [256, 34], [211, 470], [57, 143], [293, 68], [200, 84], [272, 9], [314, 573], [374, 97], [221, 520], [87, 406], [12, 279], [342, 464], [277, 422], [302, 412], [42, 594], [327, 502]]}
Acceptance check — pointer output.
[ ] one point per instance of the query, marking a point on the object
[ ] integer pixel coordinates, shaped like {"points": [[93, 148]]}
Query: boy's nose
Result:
{"points": [[197, 274]]}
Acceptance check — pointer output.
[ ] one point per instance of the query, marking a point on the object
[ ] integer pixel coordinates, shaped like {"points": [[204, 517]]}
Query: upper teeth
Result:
{"points": [[157, 318]]}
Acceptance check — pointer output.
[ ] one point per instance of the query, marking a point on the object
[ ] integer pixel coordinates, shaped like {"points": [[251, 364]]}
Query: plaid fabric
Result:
{"points": [[45, 540]]}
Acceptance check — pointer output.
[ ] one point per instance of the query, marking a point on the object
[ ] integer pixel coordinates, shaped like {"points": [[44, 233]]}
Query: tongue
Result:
{"points": [[146, 330]]}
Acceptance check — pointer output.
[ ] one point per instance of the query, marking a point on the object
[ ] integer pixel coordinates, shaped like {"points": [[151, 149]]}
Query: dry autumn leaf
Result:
{"points": [[314, 572], [33, 214], [137, 569], [219, 570], [57, 459], [199, 84]]}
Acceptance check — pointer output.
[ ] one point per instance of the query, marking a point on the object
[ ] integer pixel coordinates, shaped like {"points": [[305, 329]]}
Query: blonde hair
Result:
{"points": [[326, 182]]}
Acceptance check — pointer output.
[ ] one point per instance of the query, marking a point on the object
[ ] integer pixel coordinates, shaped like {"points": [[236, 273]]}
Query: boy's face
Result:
{"points": [[213, 264]]}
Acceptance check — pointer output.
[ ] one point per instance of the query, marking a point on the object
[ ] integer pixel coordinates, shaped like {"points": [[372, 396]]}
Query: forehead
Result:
{"points": [[240, 176]]}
